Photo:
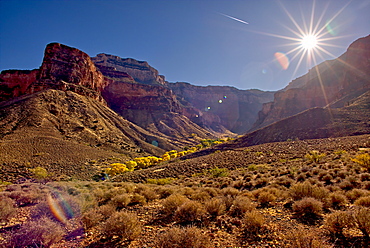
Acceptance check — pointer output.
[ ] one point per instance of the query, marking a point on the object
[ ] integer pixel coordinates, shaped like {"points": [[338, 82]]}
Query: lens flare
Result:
{"points": [[59, 207], [282, 59]]}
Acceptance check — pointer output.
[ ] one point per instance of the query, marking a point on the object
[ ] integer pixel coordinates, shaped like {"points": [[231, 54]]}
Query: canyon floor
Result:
{"points": [[302, 193]]}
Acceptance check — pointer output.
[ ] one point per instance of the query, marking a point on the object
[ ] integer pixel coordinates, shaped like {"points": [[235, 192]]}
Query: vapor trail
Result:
{"points": [[233, 18]]}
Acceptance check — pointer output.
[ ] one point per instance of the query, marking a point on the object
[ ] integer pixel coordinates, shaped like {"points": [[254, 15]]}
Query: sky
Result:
{"points": [[247, 44]]}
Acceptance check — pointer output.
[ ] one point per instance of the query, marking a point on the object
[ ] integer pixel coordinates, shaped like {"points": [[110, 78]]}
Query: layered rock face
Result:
{"points": [[347, 76], [63, 68], [226, 106], [141, 71], [14, 83]]}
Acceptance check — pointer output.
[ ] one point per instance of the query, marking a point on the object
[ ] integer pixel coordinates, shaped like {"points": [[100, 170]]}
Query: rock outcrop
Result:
{"points": [[14, 83], [345, 77], [141, 71]]}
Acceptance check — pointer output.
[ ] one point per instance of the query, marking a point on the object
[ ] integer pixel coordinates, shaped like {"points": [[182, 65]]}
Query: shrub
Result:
{"points": [[354, 194], [336, 200], [189, 237], [363, 160], [303, 238], [38, 233], [173, 202], [265, 199], [137, 199], [301, 190], [337, 221], [161, 181], [121, 201], [315, 156], [308, 208], [241, 205], [7, 208], [215, 206], [362, 220], [218, 172], [190, 211], [363, 201], [122, 224], [91, 218], [40, 173], [252, 225]]}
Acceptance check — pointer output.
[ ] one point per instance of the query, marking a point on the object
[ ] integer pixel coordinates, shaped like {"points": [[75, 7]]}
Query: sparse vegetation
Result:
{"points": [[236, 200]]}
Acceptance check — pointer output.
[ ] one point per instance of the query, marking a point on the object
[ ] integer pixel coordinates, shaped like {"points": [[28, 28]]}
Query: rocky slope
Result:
{"points": [[347, 76], [234, 109]]}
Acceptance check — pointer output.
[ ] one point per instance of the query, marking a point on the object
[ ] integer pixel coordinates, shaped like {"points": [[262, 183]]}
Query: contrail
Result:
{"points": [[235, 19]]}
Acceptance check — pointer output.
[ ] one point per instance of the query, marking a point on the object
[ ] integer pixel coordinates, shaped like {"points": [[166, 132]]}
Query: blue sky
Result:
{"points": [[195, 41]]}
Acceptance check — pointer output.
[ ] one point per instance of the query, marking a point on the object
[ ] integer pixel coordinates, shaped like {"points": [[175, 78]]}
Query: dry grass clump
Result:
{"points": [[304, 238], [215, 207], [241, 205], [122, 224], [96, 216], [7, 208], [336, 222], [362, 220], [336, 200], [188, 237], [308, 209], [266, 199], [190, 212], [121, 201], [363, 201], [306, 189], [38, 233], [171, 203], [253, 224]]}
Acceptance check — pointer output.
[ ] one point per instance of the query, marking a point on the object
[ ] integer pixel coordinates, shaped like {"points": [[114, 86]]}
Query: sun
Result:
{"points": [[309, 42]]}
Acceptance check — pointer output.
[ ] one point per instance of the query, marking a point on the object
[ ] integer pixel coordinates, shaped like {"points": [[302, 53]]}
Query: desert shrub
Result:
{"points": [[303, 238], [91, 218], [354, 194], [362, 220], [171, 203], [39, 173], [149, 194], [25, 198], [265, 199], [218, 172], [200, 195], [337, 221], [302, 190], [160, 181], [365, 177], [308, 209], [107, 211], [363, 201], [336, 200], [122, 224], [121, 201], [229, 191], [241, 205], [38, 233], [137, 199], [188, 237], [363, 160], [190, 211], [7, 208], [315, 156], [253, 224], [215, 207]]}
